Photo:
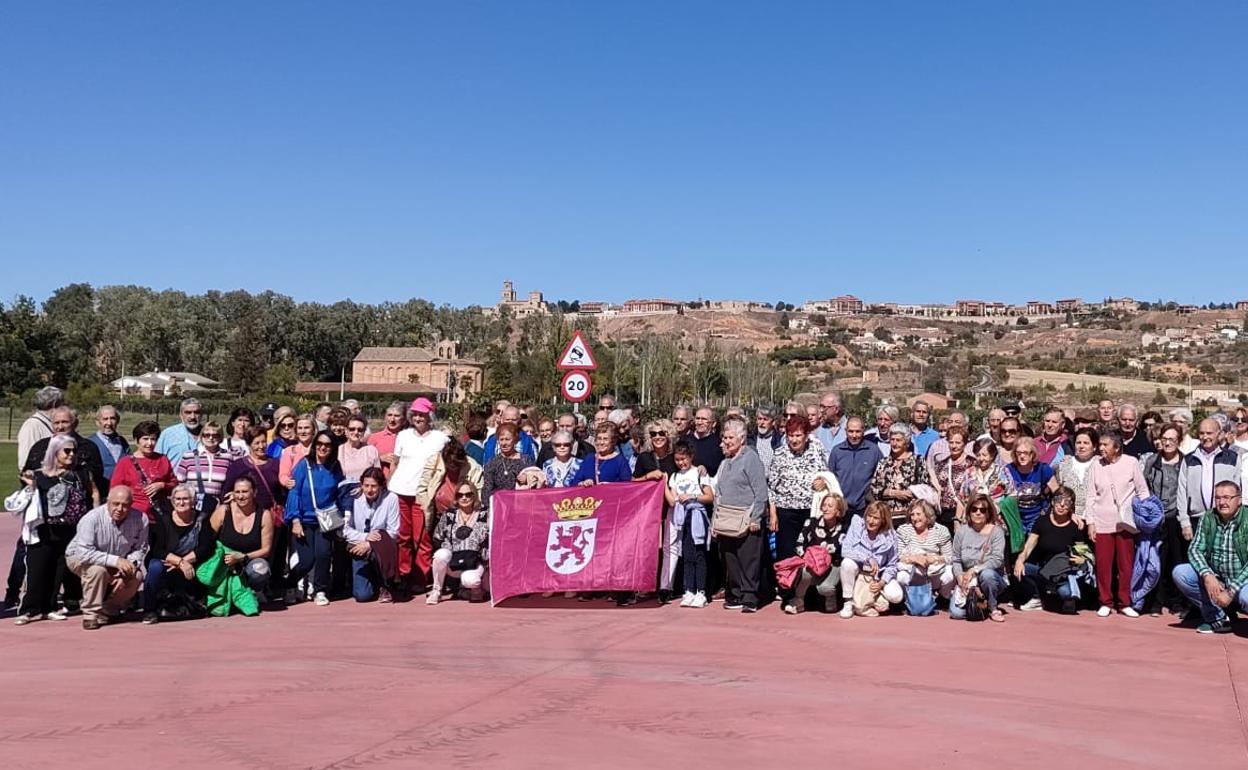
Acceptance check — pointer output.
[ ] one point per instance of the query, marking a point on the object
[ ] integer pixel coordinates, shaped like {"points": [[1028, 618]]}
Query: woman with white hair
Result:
{"points": [[740, 497], [63, 488], [926, 551], [896, 473], [179, 542], [885, 416], [1182, 416]]}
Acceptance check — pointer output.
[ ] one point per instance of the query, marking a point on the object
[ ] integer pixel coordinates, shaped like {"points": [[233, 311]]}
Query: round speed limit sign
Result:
{"points": [[576, 386]]}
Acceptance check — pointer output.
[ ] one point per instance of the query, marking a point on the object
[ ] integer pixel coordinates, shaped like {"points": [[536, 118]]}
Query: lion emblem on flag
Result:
{"points": [[570, 545]]}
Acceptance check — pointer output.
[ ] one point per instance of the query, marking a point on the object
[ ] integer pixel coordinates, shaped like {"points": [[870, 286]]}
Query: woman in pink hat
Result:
{"points": [[413, 448]]}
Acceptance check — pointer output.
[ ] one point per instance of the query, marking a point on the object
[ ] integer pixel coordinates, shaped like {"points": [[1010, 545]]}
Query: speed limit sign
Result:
{"points": [[576, 386]]}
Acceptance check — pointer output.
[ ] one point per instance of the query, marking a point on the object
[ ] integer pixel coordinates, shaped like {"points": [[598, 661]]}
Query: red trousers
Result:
{"points": [[415, 545], [1114, 549]]}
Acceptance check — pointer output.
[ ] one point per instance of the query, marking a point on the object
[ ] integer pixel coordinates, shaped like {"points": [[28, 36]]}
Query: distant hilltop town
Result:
{"points": [[971, 310]]}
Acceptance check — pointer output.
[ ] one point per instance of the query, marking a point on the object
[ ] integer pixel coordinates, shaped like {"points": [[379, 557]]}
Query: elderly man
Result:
{"points": [[526, 444], [707, 452], [108, 554], [383, 440], [831, 430], [623, 421], [1216, 576], [111, 444], [1051, 445], [1182, 417], [1201, 471], [885, 416], [993, 425], [1105, 414], [607, 402], [766, 439], [922, 434], [38, 425], [178, 439], [86, 455], [1134, 442], [682, 418], [565, 422], [853, 463]]}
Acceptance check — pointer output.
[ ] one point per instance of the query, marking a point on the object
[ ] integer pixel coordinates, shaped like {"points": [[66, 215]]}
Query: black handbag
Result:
{"points": [[464, 560]]}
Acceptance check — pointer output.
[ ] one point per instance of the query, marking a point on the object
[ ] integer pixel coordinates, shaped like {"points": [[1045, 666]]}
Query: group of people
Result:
{"points": [[805, 505]]}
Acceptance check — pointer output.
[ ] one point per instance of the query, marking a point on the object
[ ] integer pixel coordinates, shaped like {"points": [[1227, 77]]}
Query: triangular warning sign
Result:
{"points": [[577, 354]]}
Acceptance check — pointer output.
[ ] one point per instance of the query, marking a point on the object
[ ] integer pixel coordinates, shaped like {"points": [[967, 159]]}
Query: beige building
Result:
{"points": [[438, 369], [534, 305]]}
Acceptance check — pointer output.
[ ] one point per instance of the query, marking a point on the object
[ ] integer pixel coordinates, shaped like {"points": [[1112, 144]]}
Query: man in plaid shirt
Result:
{"points": [[1217, 575]]}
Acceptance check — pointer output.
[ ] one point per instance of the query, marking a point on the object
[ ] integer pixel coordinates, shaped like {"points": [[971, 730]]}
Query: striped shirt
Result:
{"points": [[198, 466]]}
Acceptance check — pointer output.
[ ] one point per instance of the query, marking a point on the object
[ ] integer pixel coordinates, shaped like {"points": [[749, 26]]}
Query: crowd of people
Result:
{"points": [[1112, 508]]}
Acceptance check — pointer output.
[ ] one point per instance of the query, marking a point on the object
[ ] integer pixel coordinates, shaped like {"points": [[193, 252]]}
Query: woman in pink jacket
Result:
{"points": [[1115, 480]]}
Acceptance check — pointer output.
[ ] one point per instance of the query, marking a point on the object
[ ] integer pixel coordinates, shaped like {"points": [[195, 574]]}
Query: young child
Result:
{"points": [[688, 492]]}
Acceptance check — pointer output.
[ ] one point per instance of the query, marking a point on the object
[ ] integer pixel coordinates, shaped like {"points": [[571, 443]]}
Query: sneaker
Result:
{"points": [[699, 601], [1220, 626], [748, 608], [321, 599], [732, 605], [1103, 612], [1070, 607], [90, 624], [433, 598], [1031, 605], [294, 596], [384, 597], [847, 611], [1129, 612], [790, 609], [687, 599], [57, 615], [29, 617], [150, 618]]}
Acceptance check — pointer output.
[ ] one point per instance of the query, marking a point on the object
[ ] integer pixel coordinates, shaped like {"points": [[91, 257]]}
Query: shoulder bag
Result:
{"points": [[160, 503], [730, 520], [328, 518]]}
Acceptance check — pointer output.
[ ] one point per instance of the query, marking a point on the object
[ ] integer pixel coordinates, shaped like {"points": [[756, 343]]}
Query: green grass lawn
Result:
{"points": [[8, 468]]}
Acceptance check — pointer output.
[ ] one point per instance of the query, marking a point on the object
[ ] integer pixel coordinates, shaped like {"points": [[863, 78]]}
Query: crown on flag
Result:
{"points": [[572, 508]]}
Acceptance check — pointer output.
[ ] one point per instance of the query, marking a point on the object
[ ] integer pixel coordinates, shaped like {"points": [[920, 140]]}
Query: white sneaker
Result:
{"points": [[790, 609], [847, 611], [57, 615], [433, 597], [1129, 612], [321, 599], [687, 599], [1031, 605], [699, 601], [1103, 612]]}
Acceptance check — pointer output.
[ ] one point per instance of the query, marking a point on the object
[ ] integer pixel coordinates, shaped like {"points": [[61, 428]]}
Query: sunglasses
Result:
{"points": [[69, 451], [355, 430], [1009, 431], [465, 494], [562, 443], [324, 445], [210, 435], [979, 509], [286, 424], [657, 433]]}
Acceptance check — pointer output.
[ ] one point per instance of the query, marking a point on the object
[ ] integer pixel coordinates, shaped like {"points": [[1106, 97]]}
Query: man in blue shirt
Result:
{"points": [[526, 445], [853, 463], [113, 446], [921, 431], [178, 439]]}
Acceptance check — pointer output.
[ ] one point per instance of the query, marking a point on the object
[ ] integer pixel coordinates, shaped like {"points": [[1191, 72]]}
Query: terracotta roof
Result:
{"points": [[403, 388], [406, 355]]}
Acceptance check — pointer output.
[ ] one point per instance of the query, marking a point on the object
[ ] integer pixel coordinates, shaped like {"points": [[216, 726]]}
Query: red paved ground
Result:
{"points": [[587, 686]]}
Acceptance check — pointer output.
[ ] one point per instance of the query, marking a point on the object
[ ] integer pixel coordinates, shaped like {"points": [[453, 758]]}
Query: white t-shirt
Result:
{"points": [[688, 482], [413, 451]]}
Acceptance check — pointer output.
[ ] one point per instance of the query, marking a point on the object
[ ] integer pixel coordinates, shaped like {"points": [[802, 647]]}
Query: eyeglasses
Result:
{"points": [[1009, 431], [211, 435], [286, 424], [562, 444], [1240, 419], [355, 430], [69, 451], [324, 445], [465, 494], [979, 509], [657, 433]]}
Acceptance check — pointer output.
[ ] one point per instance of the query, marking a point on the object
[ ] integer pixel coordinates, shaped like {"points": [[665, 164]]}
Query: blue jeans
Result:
{"points": [[991, 583], [159, 576], [1191, 586], [365, 579], [315, 550]]}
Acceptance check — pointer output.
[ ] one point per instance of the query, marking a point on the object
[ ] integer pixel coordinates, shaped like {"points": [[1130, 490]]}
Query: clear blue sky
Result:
{"points": [[919, 151]]}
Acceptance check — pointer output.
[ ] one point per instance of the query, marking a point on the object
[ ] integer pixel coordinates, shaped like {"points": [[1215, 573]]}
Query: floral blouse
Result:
{"points": [[994, 482], [449, 534], [952, 477], [897, 473], [501, 472], [557, 476], [790, 476]]}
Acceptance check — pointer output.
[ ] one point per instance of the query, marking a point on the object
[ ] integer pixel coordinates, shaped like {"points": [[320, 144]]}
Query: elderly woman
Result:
{"points": [[563, 466], [790, 481], [1034, 482], [869, 550], [305, 430], [1073, 470], [741, 488], [925, 551], [655, 461], [1114, 480], [443, 474], [241, 421], [179, 541], [461, 544], [606, 463], [885, 416], [205, 467], [1048, 563], [371, 533], [978, 559], [64, 489], [503, 469], [1182, 417], [283, 434], [949, 475], [897, 472], [148, 473], [315, 487], [823, 531], [1161, 473], [985, 477], [244, 531]]}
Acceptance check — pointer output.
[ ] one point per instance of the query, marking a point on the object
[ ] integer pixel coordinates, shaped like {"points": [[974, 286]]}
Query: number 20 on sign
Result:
{"points": [[576, 386]]}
